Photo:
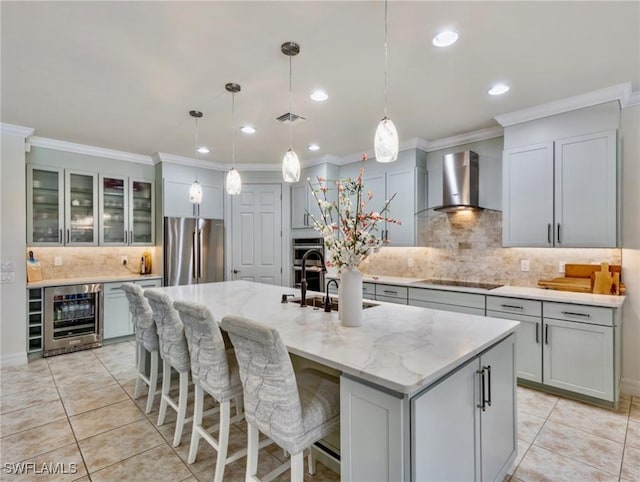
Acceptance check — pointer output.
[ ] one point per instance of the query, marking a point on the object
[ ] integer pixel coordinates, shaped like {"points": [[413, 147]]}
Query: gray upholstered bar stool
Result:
{"points": [[146, 341], [214, 370], [175, 354], [292, 409]]}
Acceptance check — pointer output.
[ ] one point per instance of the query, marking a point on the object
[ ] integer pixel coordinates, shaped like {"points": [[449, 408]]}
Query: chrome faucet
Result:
{"points": [[327, 300], [303, 281]]}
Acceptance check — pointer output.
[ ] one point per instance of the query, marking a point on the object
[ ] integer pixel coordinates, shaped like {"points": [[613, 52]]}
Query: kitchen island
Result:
{"points": [[425, 394]]}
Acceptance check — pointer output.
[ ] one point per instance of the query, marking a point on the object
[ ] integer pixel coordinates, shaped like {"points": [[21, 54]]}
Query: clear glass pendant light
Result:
{"points": [[290, 162], [385, 141], [195, 192], [234, 182]]}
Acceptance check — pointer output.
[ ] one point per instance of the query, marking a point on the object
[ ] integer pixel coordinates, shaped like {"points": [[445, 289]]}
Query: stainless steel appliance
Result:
{"points": [[460, 181], [193, 251], [313, 266], [72, 318]]}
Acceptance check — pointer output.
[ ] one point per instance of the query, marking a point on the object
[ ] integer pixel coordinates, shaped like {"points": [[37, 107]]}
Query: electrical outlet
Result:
{"points": [[410, 262], [57, 261], [524, 265], [561, 266], [123, 260]]}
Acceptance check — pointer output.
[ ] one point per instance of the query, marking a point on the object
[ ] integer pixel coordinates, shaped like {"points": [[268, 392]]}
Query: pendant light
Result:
{"points": [[290, 162], [195, 192], [234, 183], [386, 138]]}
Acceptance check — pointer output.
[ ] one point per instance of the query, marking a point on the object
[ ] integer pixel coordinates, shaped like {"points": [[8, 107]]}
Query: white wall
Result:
{"points": [[13, 296], [630, 140]]}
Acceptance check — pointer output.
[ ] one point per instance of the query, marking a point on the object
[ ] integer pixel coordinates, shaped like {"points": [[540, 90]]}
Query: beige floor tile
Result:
{"points": [[34, 416], [635, 410], [601, 453], [106, 418], [36, 441], [116, 445], [22, 400], [633, 434], [631, 464], [236, 470], [69, 361], [64, 464], [540, 464], [597, 421], [535, 402], [80, 385], [528, 426], [20, 385], [76, 403], [158, 464], [73, 376], [33, 370], [523, 447]]}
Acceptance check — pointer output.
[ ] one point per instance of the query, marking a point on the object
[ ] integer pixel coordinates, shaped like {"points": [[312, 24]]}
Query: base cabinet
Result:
{"points": [[117, 319]]}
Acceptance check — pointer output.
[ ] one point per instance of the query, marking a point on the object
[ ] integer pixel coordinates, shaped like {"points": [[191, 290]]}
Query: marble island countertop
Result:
{"points": [[402, 348], [92, 279]]}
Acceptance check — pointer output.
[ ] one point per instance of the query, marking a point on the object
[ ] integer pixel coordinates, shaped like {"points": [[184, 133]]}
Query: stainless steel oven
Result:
{"points": [[72, 318], [314, 275]]}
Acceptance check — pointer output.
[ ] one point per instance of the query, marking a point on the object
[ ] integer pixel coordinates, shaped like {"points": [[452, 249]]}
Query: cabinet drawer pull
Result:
{"points": [[488, 368], [537, 333], [60, 240], [546, 334], [126, 237], [482, 405], [515, 307], [559, 242], [549, 233], [573, 313], [390, 292], [68, 235], [147, 286]]}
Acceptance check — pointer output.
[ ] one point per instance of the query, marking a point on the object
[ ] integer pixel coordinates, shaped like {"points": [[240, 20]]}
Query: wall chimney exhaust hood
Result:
{"points": [[459, 182]]}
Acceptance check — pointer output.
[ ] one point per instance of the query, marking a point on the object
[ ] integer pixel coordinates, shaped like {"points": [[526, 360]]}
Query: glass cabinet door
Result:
{"points": [[141, 212], [45, 206], [113, 210], [82, 208]]}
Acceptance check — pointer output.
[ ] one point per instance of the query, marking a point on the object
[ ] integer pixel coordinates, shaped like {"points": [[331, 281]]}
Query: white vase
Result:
{"points": [[350, 297]]}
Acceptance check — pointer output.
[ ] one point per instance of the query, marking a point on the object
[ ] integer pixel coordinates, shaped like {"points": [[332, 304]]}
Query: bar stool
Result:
{"points": [[175, 354], [293, 409], [214, 370], [146, 341]]}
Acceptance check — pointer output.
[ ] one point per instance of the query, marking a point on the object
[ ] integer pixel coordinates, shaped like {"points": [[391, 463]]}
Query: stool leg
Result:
{"points": [[140, 370], [297, 467], [182, 407], [223, 439], [312, 462], [252, 452], [153, 381], [197, 423], [166, 384]]}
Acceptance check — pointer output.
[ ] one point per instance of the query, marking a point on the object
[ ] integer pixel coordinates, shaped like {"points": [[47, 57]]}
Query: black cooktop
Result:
{"points": [[462, 284]]}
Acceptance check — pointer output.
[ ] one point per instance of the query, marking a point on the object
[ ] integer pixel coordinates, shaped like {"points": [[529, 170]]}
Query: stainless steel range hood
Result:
{"points": [[459, 182]]}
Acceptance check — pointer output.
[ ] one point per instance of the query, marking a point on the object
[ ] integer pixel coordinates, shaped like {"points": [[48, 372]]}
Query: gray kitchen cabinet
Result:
{"points": [[62, 207], [464, 427], [368, 290], [457, 301], [117, 319], [562, 193], [391, 293], [127, 207], [303, 201], [176, 200]]}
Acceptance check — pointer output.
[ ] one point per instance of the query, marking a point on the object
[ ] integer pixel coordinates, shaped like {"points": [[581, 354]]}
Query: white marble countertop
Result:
{"points": [[508, 291], [402, 348], [92, 279]]}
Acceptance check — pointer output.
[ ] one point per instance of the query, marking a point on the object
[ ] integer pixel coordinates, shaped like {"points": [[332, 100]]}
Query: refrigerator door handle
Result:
{"points": [[194, 256], [200, 251]]}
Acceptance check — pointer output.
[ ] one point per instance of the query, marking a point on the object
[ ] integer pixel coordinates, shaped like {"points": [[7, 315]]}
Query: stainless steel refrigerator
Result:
{"points": [[193, 251]]}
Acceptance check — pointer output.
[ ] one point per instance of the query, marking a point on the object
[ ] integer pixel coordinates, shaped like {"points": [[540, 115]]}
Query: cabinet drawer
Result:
{"points": [[470, 300], [514, 305], [149, 283], [444, 307], [368, 289], [113, 288], [391, 299], [596, 315], [391, 291]]}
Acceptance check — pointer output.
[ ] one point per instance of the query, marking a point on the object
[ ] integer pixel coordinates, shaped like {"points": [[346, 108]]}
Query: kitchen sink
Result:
{"points": [[317, 302]]}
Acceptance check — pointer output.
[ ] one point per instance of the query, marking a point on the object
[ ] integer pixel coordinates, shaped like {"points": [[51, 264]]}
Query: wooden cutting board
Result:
{"points": [[585, 270], [580, 285], [603, 280]]}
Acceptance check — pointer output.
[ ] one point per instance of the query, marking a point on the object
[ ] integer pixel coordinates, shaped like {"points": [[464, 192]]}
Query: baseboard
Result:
{"points": [[13, 359], [630, 387]]}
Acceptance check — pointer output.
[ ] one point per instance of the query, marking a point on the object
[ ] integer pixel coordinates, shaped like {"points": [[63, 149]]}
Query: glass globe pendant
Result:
{"points": [[234, 183], [291, 167], [290, 161], [195, 193], [386, 141]]}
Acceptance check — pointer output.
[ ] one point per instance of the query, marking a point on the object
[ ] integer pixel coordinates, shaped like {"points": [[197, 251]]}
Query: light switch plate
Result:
{"points": [[57, 261], [561, 266], [410, 262], [524, 265]]}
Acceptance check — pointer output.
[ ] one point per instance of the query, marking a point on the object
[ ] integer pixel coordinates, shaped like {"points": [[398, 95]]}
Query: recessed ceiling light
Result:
{"points": [[313, 147], [203, 150], [498, 89], [319, 95], [445, 39], [248, 129]]}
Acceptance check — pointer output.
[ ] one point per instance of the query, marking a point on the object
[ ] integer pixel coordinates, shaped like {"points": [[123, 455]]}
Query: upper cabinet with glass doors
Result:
{"points": [[126, 211], [62, 207]]}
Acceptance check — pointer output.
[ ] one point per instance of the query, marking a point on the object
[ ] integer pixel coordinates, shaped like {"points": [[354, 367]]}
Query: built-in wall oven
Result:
{"points": [[314, 274], [72, 318]]}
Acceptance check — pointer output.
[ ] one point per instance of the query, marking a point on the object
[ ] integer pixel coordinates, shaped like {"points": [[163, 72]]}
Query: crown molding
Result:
{"points": [[466, 138], [633, 99], [413, 143], [323, 159], [213, 165], [619, 92], [89, 150], [18, 131]]}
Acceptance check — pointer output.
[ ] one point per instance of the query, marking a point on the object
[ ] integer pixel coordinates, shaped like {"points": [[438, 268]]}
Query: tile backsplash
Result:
{"points": [[92, 261], [467, 246]]}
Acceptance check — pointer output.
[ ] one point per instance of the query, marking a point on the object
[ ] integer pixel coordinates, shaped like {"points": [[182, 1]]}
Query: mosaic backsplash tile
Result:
{"points": [[467, 246]]}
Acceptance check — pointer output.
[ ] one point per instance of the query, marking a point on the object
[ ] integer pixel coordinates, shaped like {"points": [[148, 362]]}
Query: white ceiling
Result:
{"points": [[123, 75]]}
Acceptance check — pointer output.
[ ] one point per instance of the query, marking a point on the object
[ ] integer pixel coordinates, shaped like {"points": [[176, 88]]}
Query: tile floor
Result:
{"points": [[78, 409]]}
